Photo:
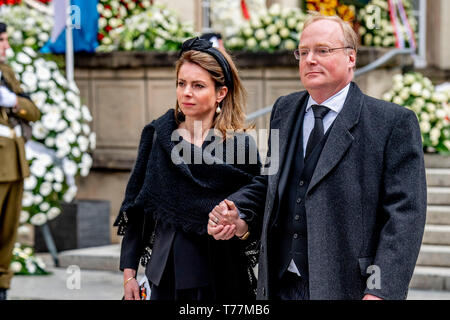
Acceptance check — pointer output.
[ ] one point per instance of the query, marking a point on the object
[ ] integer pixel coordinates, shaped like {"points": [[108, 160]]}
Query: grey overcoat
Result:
{"points": [[365, 205]]}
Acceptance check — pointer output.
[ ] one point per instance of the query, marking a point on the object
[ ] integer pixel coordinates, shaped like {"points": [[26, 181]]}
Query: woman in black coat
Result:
{"points": [[190, 159]]}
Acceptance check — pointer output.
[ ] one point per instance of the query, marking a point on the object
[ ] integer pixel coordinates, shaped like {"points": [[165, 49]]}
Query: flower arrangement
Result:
{"points": [[332, 8], [376, 28], [157, 28], [228, 15], [62, 138], [416, 92], [274, 29], [26, 27], [113, 14], [24, 261], [10, 2]]}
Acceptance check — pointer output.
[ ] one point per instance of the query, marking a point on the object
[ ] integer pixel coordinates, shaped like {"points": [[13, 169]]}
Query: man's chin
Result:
{"points": [[313, 83]]}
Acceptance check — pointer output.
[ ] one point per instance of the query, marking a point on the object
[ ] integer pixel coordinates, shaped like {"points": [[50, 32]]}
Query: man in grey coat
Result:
{"points": [[344, 215]]}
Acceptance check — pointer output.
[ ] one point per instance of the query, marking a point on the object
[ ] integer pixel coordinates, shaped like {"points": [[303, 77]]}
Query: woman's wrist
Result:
{"points": [[128, 273]]}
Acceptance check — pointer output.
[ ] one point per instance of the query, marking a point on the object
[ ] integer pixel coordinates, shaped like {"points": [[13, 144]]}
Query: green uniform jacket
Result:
{"points": [[14, 165]]}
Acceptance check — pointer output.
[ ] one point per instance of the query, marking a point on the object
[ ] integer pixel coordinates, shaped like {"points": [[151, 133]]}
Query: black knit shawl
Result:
{"points": [[182, 194]]}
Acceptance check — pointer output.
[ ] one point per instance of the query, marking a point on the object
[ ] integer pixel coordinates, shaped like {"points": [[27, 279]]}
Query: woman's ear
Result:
{"points": [[221, 94]]}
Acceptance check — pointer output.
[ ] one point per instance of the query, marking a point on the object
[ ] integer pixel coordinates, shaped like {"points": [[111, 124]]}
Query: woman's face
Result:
{"points": [[196, 92]]}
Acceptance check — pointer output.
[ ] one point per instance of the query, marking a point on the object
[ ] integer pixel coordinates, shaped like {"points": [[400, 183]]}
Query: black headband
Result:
{"points": [[202, 45]]}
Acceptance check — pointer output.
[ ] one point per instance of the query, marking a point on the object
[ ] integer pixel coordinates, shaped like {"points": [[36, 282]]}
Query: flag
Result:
{"points": [[84, 17], [245, 10]]}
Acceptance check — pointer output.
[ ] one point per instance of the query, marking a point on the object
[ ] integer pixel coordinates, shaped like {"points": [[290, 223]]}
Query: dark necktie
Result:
{"points": [[318, 132]]}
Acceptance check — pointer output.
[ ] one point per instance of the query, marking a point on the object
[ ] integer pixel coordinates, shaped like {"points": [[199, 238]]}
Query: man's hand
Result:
{"points": [[371, 297], [233, 214]]}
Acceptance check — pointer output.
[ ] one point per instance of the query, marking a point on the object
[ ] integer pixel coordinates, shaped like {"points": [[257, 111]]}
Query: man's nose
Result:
{"points": [[310, 57]]}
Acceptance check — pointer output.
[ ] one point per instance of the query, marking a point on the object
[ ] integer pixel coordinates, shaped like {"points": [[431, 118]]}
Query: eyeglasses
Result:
{"points": [[318, 51]]}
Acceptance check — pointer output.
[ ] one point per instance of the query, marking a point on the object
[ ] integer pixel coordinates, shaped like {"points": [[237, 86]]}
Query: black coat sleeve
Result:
{"points": [[131, 218], [250, 200], [132, 244]]}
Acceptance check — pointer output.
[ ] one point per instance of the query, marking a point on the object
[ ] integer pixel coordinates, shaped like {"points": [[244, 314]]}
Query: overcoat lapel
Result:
{"points": [[285, 122], [340, 138]]}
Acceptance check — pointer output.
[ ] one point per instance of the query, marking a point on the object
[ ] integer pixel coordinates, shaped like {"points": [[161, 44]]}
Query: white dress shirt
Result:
{"points": [[335, 103]]}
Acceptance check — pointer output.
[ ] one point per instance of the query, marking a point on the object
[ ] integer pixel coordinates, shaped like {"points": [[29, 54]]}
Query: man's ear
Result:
{"points": [[352, 59]]}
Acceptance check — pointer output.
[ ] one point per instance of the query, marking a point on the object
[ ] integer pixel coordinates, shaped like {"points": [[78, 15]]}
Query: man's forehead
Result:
{"points": [[317, 44], [321, 42], [325, 24], [322, 32]]}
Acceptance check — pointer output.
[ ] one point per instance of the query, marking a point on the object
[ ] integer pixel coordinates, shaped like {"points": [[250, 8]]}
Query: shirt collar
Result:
{"points": [[335, 102]]}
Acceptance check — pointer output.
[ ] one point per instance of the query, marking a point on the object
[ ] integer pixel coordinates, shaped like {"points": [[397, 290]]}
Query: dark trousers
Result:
{"points": [[292, 287], [167, 290]]}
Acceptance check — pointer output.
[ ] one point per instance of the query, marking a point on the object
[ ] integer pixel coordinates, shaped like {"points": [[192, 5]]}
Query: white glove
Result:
{"points": [[8, 99]]}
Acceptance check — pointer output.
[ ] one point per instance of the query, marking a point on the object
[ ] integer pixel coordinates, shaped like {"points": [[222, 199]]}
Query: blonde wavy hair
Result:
{"points": [[232, 115]]}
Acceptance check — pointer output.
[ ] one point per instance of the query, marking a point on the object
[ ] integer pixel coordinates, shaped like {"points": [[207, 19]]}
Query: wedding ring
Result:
{"points": [[217, 221]]}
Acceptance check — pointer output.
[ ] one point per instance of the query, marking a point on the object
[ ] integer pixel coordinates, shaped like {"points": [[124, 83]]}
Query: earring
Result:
{"points": [[218, 108]]}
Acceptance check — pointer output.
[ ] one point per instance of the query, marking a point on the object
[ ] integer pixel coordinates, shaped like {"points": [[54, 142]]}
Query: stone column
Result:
{"points": [[438, 30]]}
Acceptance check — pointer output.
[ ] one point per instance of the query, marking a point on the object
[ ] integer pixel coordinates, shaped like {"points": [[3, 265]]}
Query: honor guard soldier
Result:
{"points": [[16, 111]]}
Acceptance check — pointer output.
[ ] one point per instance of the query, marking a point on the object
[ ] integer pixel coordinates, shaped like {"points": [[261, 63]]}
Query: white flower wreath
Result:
{"points": [[156, 28], [227, 17], [62, 139], [376, 28], [417, 93], [26, 26], [277, 28]]}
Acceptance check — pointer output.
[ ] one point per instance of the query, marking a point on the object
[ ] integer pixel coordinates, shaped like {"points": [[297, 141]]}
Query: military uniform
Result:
{"points": [[13, 168]]}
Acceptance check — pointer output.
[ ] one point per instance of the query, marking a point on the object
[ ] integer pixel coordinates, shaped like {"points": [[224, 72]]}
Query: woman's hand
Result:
{"points": [[224, 221], [221, 232], [130, 286], [225, 213]]}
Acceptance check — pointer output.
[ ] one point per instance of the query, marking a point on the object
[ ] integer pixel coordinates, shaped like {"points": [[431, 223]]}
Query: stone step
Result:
{"points": [[95, 258], [438, 215], [437, 161], [438, 195], [436, 256], [436, 234], [438, 177], [431, 278], [105, 258]]}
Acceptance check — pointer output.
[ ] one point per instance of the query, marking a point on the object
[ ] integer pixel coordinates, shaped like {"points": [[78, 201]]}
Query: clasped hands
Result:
{"points": [[224, 221]]}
